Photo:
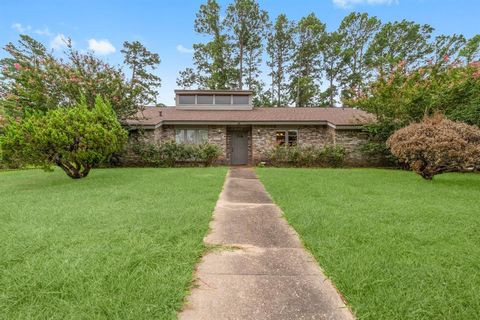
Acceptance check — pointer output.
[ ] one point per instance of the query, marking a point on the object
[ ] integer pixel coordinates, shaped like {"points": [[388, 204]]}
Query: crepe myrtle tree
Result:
{"points": [[34, 79], [437, 145], [75, 138]]}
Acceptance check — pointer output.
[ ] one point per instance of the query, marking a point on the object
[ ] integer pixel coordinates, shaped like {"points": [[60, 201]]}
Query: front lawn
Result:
{"points": [[396, 246], [120, 244]]}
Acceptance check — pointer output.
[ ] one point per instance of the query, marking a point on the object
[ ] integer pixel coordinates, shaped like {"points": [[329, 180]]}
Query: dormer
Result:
{"points": [[214, 99]]}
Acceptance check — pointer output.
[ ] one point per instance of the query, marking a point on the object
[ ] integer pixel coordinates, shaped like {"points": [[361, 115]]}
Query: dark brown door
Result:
{"points": [[239, 147]]}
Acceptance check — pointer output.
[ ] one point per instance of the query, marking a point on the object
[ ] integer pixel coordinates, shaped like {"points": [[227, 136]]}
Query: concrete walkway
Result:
{"points": [[267, 274]]}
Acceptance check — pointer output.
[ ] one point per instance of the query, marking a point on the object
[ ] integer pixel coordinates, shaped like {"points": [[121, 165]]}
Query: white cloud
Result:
{"points": [[182, 49], [60, 41], [101, 47], [20, 28], [43, 32], [348, 4]]}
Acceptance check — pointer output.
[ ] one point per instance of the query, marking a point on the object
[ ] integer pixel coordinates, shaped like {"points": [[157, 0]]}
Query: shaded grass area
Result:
{"points": [[120, 244], [396, 246]]}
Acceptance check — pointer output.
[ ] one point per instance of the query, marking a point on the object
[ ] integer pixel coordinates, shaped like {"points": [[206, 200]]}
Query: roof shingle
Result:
{"points": [[153, 116]]}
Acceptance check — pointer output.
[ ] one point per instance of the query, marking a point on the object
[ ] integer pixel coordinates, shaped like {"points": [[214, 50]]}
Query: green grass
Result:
{"points": [[396, 246], [119, 244]]}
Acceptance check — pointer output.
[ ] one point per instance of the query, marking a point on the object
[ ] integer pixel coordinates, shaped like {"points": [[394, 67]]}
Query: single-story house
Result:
{"points": [[243, 132]]}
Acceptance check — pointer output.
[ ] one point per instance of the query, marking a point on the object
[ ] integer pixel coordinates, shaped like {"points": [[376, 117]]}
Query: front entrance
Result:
{"points": [[239, 147]]}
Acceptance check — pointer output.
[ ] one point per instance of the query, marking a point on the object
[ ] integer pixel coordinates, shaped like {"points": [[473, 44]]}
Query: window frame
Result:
{"points": [[197, 135], [287, 137]]}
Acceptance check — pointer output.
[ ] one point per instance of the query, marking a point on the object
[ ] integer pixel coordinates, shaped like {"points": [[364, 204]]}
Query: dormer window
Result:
{"points": [[214, 99]]}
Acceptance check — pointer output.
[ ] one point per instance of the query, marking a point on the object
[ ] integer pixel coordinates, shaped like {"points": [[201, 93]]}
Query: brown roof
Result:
{"points": [[154, 116]]}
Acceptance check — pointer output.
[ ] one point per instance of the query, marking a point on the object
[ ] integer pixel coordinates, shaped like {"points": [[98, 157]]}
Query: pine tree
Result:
{"points": [[280, 49], [247, 25], [356, 30], [305, 69], [213, 60]]}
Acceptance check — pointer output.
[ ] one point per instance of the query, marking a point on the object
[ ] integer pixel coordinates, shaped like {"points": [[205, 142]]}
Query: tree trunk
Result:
{"points": [[240, 75], [74, 171]]}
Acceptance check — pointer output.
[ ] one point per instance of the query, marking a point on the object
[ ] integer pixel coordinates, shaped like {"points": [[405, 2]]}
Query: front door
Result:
{"points": [[239, 147]]}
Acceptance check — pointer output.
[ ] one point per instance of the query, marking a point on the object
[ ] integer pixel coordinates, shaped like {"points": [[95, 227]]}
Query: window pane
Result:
{"points": [[191, 136], [223, 99], [186, 99], [280, 138], [205, 99], [292, 138], [240, 99], [203, 136], [179, 136]]}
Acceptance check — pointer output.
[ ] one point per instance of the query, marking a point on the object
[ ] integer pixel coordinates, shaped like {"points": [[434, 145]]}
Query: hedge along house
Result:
{"points": [[244, 133]]}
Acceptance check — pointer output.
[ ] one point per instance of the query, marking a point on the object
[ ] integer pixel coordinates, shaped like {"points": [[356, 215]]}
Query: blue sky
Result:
{"points": [[166, 27]]}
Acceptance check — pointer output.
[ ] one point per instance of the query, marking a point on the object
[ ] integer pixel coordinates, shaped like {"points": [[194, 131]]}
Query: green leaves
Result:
{"points": [[75, 138]]}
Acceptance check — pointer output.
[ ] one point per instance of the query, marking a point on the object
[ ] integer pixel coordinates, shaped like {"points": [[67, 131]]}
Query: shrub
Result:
{"points": [[75, 138], [209, 153], [437, 145], [306, 156], [333, 155], [170, 153]]}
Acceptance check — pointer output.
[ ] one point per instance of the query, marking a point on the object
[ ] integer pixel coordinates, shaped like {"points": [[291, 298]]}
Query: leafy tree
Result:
{"points": [[305, 67], [143, 83], [213, 60], [247, 24], [357, 31], [333, 66], [280, 49], [32, 79], [399, 41], [187, 78], [471, 51], [75, 139], [405, 97], [446, 49], [437, 145]]}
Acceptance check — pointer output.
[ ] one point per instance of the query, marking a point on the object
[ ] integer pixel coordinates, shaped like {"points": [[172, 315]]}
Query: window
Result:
{"points": [[240, 99], [186, 99], [287, 137], [192, 136], [207, 99], [223, 99]]}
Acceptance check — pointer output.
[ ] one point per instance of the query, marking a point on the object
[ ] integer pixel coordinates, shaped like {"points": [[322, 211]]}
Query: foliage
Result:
{"points": [[404, 97], [32, 79], [356, 31], [437, 145], [144, 84], [280, 49], [305, 69], [75, 139], [247, 25], [213, 60], [171, 153], [307, 156], [399, 41]]}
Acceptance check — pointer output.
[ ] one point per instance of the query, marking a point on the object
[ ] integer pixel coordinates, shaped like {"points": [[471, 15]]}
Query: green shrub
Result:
{"points": [[170, 153], [333, 155], [74, 138], [306, 156], [209, 153]]}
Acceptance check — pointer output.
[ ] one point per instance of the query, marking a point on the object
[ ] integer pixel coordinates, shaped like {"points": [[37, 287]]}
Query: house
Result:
{"points": [[244, 133]]}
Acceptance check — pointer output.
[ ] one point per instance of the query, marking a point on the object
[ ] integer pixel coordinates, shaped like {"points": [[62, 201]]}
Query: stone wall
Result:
{"points": [[264, 138], [261, 139]]}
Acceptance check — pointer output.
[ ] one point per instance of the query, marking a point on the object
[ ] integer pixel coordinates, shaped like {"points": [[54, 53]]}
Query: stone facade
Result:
{"points": [[261, 138]]}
